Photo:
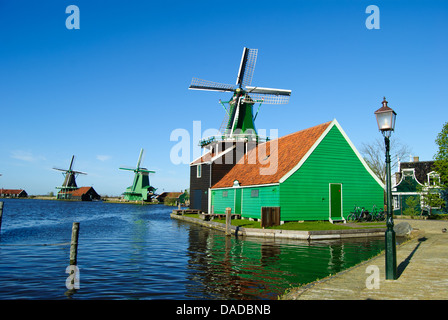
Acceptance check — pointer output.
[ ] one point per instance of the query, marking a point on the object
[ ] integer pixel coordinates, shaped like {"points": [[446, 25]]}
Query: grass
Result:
{"points": [[302, 226]]}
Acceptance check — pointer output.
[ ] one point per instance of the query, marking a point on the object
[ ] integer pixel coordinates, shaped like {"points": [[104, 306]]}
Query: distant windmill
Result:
{"points": [[69, 183], [140, 190], [239, 119]]}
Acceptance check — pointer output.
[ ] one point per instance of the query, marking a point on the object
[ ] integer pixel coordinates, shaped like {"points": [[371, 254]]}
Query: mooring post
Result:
{"points": [[74, 244], [228, 220], [1, 214]]}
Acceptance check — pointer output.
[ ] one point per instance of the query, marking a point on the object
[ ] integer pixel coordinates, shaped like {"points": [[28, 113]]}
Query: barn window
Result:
{"points": [[199, 171], [254, 193], [225, 194]]}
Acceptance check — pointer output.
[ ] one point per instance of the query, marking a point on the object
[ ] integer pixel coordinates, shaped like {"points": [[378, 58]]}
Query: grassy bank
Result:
{"points": [[301, 226]]}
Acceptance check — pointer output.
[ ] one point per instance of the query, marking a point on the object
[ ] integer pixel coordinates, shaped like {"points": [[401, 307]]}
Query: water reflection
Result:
{"points": [[234, 268]]}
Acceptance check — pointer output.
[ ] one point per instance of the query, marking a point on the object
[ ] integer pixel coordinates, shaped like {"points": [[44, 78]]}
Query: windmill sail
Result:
{"points": [[200, 84], [247, 67], [268, 95]]}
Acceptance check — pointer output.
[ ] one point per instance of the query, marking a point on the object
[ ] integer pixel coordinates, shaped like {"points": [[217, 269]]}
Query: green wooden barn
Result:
{"points": [[313, 174]]}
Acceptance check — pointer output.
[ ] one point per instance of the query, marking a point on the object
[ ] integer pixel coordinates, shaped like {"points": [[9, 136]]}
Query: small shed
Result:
{"points": [[168, 195], [312, 174], [81, 194], [13, 193]]}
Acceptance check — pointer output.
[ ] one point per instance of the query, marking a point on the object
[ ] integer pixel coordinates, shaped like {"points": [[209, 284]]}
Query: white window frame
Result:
{"points": [[199, 171]]}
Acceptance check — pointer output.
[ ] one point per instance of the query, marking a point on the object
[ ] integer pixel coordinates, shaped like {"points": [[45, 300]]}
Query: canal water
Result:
{"points": [[130, 251]]}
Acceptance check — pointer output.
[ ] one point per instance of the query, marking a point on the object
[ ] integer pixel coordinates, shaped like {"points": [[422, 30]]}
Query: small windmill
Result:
{"points": [[69, 183], [239, 120], [140, 190]]}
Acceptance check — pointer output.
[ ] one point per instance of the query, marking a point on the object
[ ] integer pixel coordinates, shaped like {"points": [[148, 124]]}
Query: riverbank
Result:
{"points": [[421, 270], [103, 199], [354, 231]]}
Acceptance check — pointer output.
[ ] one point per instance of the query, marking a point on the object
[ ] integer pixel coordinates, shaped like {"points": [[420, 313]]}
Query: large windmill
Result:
{"points": [[140, 190], [239, 120], [69, 183]]}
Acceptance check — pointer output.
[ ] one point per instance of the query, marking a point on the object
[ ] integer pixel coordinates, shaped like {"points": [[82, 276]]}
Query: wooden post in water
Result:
{"points": [[74, 244], [228, 220], [1, 214]]}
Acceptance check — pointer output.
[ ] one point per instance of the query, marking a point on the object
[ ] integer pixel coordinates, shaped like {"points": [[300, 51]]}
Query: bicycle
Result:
{"points": [[359, 215], [378, 214], [355, 215], [365, 215]]}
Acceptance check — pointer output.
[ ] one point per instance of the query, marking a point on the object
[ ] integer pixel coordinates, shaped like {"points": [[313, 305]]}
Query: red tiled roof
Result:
{"points": [[79, 192], [11, 191], [170, 194], [257, 167]]}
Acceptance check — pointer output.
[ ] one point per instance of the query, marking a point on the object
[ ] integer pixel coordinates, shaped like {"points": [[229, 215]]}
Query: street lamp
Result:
{"points": [[385, 117]]}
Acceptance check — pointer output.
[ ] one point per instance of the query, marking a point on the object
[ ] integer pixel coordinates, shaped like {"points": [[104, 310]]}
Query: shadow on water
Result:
{"points": [[402, 266]]}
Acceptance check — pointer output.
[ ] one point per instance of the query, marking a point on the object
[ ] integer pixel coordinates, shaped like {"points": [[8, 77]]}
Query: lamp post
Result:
{"points": [[385, 117]]}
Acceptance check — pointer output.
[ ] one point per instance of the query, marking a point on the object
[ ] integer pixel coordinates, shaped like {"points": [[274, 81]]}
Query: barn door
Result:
{"points": [[336, 201], [197, 199]]}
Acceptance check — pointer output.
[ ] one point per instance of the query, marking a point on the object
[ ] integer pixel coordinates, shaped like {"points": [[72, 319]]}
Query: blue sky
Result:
{"points": [[120, 82]]}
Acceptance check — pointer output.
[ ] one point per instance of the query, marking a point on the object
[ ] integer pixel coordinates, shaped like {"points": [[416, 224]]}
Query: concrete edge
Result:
{"points": [[286, 234]]}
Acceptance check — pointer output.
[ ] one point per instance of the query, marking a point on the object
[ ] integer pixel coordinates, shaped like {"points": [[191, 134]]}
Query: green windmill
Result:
{"points": [[239, 119], [140, 190]]}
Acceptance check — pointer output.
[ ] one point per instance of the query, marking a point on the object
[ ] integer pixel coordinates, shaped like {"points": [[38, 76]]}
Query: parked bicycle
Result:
{"points": [[378, 214], [360, 214]]}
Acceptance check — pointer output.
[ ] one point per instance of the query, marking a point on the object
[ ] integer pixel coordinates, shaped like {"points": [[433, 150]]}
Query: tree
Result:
{"points": [[374, 154], [430, 197], [441, 157], [411, 203]]}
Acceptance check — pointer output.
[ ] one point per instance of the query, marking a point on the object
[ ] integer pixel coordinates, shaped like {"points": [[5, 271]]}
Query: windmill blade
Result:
{"points": [[145, 170], [65, 170], [200, 84], [267, 95], [71, 163], [268, 91], [266, 98], [130, 169], [247, 67], [79, 172], [140, 158]]}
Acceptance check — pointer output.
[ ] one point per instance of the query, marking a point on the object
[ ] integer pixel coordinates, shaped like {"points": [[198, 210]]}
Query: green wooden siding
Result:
{"points": [[268, 196], [220, 202], [305, 194]]}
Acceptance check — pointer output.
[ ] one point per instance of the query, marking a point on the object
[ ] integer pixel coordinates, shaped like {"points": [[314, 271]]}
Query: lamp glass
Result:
{"points": [[386, 120]]}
